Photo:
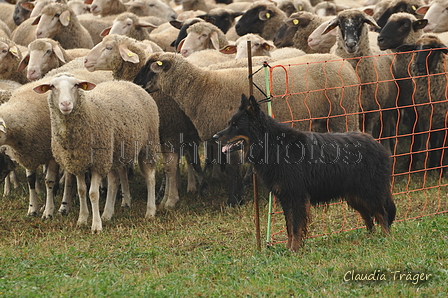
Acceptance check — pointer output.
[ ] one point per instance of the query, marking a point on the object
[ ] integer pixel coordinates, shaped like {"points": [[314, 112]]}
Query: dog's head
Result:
{"points": [[237, 136]]}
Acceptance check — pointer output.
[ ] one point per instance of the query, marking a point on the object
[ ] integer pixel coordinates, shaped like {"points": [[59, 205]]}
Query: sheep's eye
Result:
{"points": [[129, 24], [257, 44], [4, 51], [57, 15], [204, 34], [108, 48], [48, 52], [152, 5]]}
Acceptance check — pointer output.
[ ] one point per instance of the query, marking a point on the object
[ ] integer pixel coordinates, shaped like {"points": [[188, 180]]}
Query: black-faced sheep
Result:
{"points": [[378, 90], [115, 128], [263, 17], [59, 22], [409, 6]]}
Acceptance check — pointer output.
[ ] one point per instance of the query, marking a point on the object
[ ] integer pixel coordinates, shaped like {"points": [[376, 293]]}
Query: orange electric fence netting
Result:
{"points": [[404, 106]]}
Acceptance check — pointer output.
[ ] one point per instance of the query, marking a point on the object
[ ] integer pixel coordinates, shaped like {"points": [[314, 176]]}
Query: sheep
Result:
{"points": [[6, 11], [106, 8], [114, 127], [409, 6], [125, 59], [262, 17], [45, 54], [25, 129], [322, 43], [78, 7], [437, 15], [201, 36], [376, 10], [5, 32], [156, 8], [6, 89], [59, 22], [95, 25], [37, 6], [24, 33], [296, 30], [164, 36], [353, 44], [259, 47], [200, 92], [10, 57], [183, 26], [21, 13], [129, 24]]}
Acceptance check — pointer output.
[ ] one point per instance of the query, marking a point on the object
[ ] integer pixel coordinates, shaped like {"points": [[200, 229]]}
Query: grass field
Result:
{"points": [[205, 249]]}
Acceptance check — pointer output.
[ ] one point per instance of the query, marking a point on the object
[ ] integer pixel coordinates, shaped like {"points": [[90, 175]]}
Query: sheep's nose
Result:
{"points": [[38, 34], [184, 53], [351, 43]]}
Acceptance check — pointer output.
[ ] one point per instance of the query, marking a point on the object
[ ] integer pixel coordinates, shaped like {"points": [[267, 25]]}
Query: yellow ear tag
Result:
{"points": [[300, 7], [414, 8], [3, 124], [159, 63], [295, 22], [31, 6], [130, 54], [14, 51], [84, 86], [68, 18], [268, 15]]}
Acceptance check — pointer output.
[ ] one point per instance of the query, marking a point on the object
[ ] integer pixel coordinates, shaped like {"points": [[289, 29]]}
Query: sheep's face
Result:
{"points": [[259, 46], [21, 12], [252, 21], [148, 75], [42, 59], [49, 25], [100, 7], [151, 8], [7, 52], [284, 37], [122, 27], [197, 41], [437, 12], [397, 30], [64, 92]]}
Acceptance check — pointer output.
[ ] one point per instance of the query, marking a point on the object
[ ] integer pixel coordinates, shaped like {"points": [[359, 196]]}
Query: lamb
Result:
{"points": [[164, 70], [113, 127], [45, 54], [296, 30], [106, 8], [353, 44], [59, 22], [10, 57], [201, 36], [409, 6], [156, 8], [262, 17], [129, 24], [125, 59], [26, 130], [437, 15]]}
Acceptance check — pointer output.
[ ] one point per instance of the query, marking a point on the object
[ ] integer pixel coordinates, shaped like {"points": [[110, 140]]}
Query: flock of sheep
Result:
{"points": [[97, 86]]}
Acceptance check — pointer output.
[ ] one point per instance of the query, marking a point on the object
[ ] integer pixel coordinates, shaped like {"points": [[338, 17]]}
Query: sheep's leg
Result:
{"points": [[191, 186], [94, 194], [171, 196], [13, 178], [126, 193], [149, 173], [33, 207], [50, 180], [7, 189], [68, 193], [112, 189], [82, 193]]}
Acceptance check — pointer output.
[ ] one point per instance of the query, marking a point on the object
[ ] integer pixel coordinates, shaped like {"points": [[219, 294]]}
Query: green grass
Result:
{"points": [[205, 249]]}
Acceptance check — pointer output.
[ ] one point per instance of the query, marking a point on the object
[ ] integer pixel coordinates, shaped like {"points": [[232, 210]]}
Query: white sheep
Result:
{"points": [[156, 8], [59, 22], [125, 59], [79, 7], [202, 36], [378, 90], [24, 33], [10, 56], [322, 43], [6, 12], [130, 25], [106, 7], [5, 32], [45, 54], [98, 132], [436, 12]]}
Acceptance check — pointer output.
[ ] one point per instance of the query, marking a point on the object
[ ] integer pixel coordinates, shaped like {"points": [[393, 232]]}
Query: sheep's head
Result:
{"points": [[43, 55], [125, 23], [8, 53], [112, 52], [64, 92], [252, 21], [53, 17], [202, 36], [156, 8], [101, 7], [148, 75], [259, 46], [285, 34]]}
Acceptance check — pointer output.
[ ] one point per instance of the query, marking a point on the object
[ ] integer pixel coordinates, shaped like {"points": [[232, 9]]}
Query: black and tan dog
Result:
{"points": [[303, 168]]}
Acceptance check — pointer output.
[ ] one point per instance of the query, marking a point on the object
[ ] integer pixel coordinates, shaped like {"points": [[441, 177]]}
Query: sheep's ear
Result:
{"points": [[42, 88], [179, 46], [86, 86], [14, 51], [419, 24], [24, 62], [268, 47], [159, 66], [228, 49], [371, 21], [127, 54], [88, 1], [143, 24], [236, 14], [368, 11], [36, 21], [105, 32], [28, 6], [207, 18], [333, 24], [64, 18], [293, 22], [265, 15], [58, 51], [214, 39], [176, 24], [2, 126], [422, 10]]}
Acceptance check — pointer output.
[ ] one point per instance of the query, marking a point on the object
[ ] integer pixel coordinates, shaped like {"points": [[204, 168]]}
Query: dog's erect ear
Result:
{"points": [[249, 105], [254, 105], [244, 102]]}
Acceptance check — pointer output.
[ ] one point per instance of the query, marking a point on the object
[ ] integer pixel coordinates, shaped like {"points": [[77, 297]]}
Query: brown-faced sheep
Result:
{"points": [[59, 22], [263, 17], [45, 54], [10, 57], [202, 36], [115, 128]]}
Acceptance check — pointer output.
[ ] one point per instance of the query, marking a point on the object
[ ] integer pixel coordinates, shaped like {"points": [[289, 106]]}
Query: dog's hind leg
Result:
{"points": [[300, 216], [366, 215]]}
